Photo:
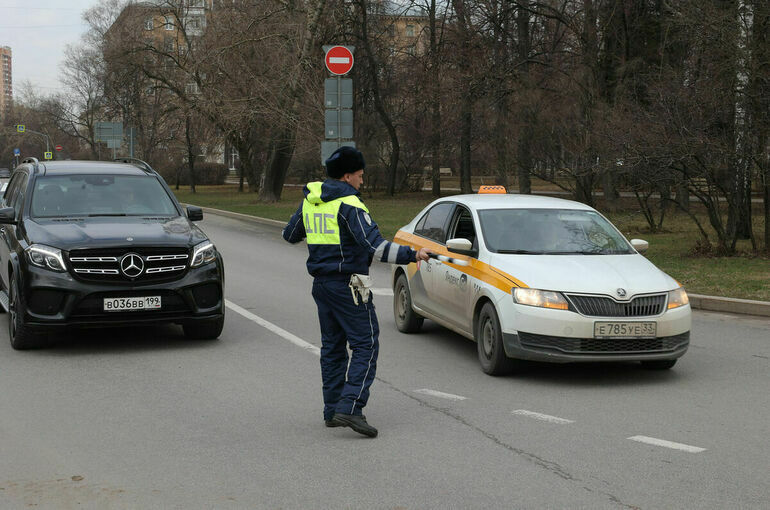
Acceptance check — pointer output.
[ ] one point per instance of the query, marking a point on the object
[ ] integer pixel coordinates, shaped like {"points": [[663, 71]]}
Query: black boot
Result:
{"points": [[332, 423], [355, 422]]}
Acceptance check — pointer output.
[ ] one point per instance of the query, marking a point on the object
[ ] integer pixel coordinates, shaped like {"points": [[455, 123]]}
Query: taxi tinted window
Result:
{"points": [[433, 224], [550, 232]]}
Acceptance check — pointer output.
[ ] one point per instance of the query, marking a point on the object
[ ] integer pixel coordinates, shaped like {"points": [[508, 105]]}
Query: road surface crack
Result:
{"points": [[548, 465]]}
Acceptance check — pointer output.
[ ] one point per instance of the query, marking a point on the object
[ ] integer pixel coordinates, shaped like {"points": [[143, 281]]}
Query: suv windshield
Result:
{"points": [[100, 195], [550, 231]]}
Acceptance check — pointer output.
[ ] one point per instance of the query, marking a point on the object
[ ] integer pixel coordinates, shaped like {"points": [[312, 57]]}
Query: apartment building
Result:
{"points": [[6, 82]]}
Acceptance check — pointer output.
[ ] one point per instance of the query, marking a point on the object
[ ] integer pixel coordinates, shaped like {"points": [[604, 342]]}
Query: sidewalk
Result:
{"points": [[697, 301]]}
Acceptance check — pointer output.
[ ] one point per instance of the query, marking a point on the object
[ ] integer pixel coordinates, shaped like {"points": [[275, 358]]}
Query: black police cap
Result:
{"points": [[343, 161]]}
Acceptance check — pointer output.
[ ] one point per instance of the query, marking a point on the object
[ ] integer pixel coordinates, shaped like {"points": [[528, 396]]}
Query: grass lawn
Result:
{"points": [[743, 276]]}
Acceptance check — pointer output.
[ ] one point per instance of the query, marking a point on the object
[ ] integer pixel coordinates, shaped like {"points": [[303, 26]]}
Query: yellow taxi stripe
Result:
{"points": [[477, 269]]}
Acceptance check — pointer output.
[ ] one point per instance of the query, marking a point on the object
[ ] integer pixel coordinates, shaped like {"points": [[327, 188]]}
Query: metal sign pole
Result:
{"points": [[339, 109]]}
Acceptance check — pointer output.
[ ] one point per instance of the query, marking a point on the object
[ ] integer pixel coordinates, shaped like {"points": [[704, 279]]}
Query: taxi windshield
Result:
{"points": [[57, 196], [550, 232]]}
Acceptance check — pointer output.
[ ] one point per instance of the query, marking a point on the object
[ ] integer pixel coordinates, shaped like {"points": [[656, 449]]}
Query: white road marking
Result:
{"points": [[339, 60], [440, 394], [272, 327], [541, 417], [384, 291], [667, 444]]}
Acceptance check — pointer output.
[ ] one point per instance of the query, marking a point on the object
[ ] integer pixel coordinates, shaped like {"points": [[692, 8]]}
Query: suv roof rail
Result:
{"points": [[137, 162], [32, 160]]}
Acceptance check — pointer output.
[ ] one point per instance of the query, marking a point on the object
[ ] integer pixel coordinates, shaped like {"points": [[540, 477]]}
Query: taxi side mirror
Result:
{"points": [[461, 246], [194, 213], [640, 245]]}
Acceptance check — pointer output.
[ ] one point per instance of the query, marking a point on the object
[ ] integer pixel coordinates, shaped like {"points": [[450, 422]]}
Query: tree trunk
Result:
{"points": [[190, 150], [435, 104], [524, 147], [283, 149], [467, 92], [379, 106]]}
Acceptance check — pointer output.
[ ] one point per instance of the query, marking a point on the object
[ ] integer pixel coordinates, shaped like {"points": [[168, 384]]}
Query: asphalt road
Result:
{"points": [[142, 418]]}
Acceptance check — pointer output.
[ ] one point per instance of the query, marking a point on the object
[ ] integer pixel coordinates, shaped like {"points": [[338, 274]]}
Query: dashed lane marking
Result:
{"points": [[439, 394], [272, 327], [541, 416], [382, 292], [667, 444]]}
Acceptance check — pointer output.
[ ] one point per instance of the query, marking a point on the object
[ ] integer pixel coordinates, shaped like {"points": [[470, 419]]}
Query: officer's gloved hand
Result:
{"points": [[423, 254]]}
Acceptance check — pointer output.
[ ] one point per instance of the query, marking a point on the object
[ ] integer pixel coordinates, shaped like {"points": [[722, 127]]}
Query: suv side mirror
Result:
{"points": [[461, 246], [194, 213], [8, 215], [640, 245]]}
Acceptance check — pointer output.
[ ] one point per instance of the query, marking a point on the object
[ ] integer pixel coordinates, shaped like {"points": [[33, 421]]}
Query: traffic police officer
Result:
{"points": [[342, 241]]}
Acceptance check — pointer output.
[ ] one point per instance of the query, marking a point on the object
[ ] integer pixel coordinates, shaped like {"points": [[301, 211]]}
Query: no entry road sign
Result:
{"points": [[339, 60], [58, 147]]}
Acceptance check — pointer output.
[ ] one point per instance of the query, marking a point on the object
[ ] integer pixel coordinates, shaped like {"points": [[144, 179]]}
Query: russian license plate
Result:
{"points": [[125, 304], [625, 329]]}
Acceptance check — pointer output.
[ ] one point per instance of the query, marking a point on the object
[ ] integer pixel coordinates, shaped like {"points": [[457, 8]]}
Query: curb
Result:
{"points": [[729, 305], [697, 301]]}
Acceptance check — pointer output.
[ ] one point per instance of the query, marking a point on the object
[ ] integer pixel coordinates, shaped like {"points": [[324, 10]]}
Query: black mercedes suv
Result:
{"points": [[93, 243]]}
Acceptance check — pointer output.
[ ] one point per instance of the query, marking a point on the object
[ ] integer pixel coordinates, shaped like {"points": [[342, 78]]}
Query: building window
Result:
{"points": [[410, 30], [169, 44], [194, 23], [169, 23], [392, 30], [148, 25]]}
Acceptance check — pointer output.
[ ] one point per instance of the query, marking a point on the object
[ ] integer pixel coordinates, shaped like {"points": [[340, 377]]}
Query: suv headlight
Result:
{"points": [[44, 256], [203, 254], [677, 297], [540, 298]]}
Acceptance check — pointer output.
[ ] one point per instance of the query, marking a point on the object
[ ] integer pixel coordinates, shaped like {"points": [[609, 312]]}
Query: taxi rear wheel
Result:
{"points": [[489, 343], [407, 320]]}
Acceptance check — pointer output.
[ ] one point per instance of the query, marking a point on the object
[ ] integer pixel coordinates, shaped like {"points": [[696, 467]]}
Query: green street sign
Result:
{"points": [[20, 128], [48, 155]]}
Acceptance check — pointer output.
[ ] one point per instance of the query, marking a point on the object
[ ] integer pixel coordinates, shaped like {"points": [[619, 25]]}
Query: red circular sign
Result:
{"points": [[58, 147], [339, 60]]}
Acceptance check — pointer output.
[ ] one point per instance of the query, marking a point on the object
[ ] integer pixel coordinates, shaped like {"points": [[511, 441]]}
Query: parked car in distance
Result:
{"points": [[547, 279], [93, 243]]}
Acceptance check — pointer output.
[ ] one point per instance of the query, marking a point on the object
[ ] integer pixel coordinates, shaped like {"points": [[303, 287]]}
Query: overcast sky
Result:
{"points": [[37, 31]]}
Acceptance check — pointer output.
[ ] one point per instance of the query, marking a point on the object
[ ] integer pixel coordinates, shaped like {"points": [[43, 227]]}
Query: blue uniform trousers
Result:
{"points": [[342, 323]]}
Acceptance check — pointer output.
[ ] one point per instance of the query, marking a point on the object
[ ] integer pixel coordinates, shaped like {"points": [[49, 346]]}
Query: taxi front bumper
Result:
{"points": [[564, 336]]}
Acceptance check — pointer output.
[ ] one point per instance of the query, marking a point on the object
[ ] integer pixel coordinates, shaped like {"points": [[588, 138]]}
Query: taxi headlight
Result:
{"points": [[540, 298], [677, 297], [203, 254], [44, 256]]}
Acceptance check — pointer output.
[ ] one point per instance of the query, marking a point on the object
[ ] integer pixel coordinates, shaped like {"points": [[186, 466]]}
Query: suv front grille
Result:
{"points": [[602, 306], [103, 265]]}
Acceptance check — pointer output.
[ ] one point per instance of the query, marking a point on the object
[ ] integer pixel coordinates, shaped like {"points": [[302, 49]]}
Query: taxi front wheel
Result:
{"points": [[489, 343], [407, 321]]}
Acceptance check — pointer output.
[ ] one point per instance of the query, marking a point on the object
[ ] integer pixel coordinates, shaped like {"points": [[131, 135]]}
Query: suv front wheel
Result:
{"points": [[21, 336]]}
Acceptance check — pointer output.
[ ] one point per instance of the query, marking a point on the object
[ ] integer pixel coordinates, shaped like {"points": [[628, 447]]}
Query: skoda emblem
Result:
{"points": [[132, 265], [621, 292]]}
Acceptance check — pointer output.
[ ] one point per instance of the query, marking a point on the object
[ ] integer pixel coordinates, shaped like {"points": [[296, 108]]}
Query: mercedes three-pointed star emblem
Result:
{"points": [[132, 265]]}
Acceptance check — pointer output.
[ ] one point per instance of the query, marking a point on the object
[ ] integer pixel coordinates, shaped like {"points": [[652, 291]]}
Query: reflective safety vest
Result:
{"points": [[320, 218]]}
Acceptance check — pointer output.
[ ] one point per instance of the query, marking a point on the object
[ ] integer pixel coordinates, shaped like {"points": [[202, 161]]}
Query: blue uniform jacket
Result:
{"points": [[360, 239]]}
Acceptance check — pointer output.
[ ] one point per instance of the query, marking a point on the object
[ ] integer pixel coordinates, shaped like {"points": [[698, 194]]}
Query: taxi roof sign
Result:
{"points": [[499, 190]]}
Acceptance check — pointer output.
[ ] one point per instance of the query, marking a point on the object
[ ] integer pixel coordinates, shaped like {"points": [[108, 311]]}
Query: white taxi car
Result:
{"points": [[547, 279]]}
